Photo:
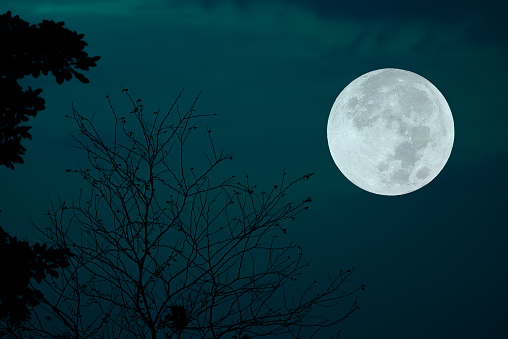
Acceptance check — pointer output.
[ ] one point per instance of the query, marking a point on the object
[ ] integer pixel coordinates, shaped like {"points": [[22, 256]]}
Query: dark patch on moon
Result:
{"points": [[406, 152], [422, 173], [401, 176], [364, 120], [353, 102], [420, 136]]}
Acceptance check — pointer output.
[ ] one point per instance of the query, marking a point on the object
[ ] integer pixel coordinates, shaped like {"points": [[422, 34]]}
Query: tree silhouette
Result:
{"points": [[31, 50], [20, 263], [168, 246], [26, 50]]}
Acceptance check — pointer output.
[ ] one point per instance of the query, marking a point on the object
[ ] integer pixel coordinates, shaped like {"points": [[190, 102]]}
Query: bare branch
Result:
{"points": [[164, 247]]}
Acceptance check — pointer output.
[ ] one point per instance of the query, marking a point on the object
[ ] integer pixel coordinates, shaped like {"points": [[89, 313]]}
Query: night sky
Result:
{"points": [[434, 261]]}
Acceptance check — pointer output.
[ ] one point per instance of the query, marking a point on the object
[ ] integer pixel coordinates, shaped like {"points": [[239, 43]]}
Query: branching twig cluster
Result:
{"points": [[165, 248]]}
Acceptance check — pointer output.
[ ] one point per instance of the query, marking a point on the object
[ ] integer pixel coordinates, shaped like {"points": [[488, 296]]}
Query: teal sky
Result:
{"points": [[433, 260]]}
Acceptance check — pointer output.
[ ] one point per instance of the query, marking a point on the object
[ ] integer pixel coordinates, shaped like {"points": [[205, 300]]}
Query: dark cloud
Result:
{"points": [[393, 9], [449, 10], [489, 27]]}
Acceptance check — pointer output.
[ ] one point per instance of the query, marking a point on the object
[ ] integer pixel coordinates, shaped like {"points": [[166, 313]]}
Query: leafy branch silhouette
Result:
{"points": [[31, 50]]}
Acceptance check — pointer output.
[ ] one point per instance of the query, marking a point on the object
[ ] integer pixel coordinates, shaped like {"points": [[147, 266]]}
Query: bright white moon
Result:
{"points": [[390, 132]]}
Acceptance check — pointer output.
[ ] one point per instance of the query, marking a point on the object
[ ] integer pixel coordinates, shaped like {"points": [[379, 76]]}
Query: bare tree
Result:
{"points": [[164, 248]]}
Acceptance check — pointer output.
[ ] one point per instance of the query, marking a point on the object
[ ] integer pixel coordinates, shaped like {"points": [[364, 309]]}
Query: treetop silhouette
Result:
{"points": [[31, 50]]}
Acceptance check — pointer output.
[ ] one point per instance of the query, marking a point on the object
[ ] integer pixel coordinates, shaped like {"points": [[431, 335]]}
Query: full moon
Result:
{"points": [[390, 132]]}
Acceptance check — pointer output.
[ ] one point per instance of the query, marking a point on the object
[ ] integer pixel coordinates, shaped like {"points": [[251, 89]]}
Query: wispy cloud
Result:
{"points": [[301, 28]]}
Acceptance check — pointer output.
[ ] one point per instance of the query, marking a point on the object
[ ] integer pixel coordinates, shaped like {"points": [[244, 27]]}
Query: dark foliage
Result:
{"points": [[177, 319], [31, 50], [20, 263]]}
